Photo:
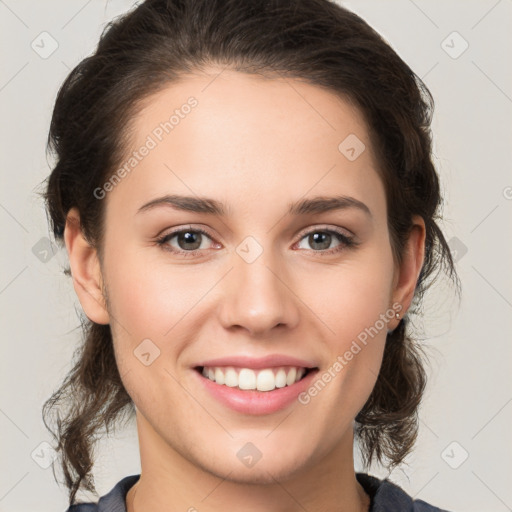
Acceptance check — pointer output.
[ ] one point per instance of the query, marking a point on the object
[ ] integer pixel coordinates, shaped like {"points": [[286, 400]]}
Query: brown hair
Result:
{"points": [[316, 41]]}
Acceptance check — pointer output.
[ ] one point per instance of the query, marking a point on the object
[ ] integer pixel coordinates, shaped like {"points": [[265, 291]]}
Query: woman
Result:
{"points": [[248, 201]]}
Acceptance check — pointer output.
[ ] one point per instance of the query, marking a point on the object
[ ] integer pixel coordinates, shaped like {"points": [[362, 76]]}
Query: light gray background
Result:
{"points": [[469, 394]]}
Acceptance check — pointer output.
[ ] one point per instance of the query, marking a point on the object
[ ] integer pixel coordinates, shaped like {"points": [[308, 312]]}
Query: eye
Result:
{"points": [[187, 241], [321, 239]]}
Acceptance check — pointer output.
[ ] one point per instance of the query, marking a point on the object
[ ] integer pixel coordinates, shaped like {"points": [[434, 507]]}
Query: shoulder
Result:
{"points": [[389, 497], [113, 501]]}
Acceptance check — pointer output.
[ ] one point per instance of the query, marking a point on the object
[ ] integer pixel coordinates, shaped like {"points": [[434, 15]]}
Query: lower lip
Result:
{"points": [[256, 402]]}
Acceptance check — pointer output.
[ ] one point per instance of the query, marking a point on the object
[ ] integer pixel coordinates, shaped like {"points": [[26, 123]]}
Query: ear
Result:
{"points": [[85, 270], [407, 274]]}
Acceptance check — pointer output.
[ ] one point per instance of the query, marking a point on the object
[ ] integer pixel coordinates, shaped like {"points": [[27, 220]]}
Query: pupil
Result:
{"points": [[188, 238], [314, 238]]}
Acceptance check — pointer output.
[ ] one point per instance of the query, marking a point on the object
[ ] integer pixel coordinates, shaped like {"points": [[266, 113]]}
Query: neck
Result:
{"points": [[170, 481]]}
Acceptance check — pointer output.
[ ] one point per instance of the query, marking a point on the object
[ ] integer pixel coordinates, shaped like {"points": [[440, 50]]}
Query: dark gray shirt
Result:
{"points": [[385, 497]]}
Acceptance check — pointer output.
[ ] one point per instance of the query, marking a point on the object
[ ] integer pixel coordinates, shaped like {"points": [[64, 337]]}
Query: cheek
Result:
{"points": [[354, 303], [149, 297], [153, 305], [353, 298], [357, 312]]}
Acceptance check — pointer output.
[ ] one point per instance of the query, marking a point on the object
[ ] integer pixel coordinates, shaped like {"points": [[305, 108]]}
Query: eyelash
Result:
{"points": [[346, 241]]}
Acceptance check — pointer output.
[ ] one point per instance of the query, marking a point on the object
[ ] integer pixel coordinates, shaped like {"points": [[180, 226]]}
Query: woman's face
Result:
{"points": [[261, 282]]}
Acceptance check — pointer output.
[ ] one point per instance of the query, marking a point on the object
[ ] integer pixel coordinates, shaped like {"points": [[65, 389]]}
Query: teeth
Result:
{"points": [[263, 380], [290, 378], [218, 375]]}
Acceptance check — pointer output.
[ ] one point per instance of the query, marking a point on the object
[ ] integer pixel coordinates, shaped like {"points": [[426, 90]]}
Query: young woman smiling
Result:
{"points": [[247, 197]]}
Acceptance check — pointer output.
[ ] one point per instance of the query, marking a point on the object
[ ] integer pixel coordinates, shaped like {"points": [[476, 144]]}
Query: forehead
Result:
{"points": [[254, 137], [229, 106]]}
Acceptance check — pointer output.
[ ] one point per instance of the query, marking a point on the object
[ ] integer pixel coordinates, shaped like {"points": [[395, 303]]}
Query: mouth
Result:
{"points": [[255, 386], [260, 380]]}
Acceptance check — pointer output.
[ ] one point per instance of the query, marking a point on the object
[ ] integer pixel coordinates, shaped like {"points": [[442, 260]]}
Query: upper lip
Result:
{"points": [[270, 361]]}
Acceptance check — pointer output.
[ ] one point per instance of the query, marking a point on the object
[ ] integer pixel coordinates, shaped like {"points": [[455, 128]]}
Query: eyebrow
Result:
{"points": [[209, 206]]}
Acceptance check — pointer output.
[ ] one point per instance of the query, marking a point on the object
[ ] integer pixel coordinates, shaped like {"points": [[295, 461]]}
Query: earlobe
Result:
{"points": [[85, 270], [410, 268]]}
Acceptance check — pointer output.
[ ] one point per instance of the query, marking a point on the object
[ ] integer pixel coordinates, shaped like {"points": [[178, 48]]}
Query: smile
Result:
{"points": [[265, 379], [255, 392]]}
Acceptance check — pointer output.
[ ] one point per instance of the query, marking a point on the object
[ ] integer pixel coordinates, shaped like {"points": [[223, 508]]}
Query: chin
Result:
{"points": [[262, 472]]}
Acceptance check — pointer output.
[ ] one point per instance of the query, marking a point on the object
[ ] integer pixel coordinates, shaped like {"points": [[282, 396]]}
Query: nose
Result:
{"points": [[257, 297]]}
